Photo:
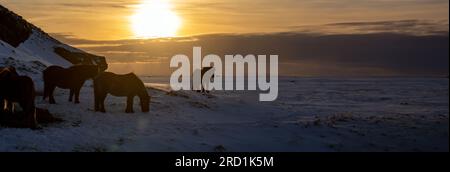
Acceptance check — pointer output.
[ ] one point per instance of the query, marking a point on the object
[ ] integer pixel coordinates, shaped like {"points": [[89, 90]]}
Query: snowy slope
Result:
{"points": [[30, 50], [32, 57], [38, 47], [25, 63], [41, 47], [7, 51], [25, 43]]}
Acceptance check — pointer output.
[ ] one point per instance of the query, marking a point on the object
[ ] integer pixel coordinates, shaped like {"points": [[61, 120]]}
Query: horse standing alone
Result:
{"points": [[72, 78], [128, 85]]}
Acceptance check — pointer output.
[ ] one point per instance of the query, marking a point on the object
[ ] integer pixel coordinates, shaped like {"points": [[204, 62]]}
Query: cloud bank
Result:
{"points": [[383, 48]]}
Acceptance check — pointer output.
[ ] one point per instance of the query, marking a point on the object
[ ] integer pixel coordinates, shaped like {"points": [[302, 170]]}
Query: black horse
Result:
{"points": [[128, 85], [72, 78], [202, 73], [19, 89], [6, 73]]}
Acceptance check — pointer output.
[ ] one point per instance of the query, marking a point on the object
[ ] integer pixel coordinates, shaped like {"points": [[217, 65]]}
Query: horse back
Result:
{"points": [[24, 83], [54, 72], [119, 85], [7, 72], [19, 87]]}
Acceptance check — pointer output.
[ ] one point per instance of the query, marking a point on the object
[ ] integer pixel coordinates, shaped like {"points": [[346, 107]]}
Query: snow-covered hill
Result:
{"points": [[31, 50]]}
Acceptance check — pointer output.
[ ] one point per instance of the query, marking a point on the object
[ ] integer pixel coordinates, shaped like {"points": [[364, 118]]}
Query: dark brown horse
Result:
{"points": [[72, 78], [19, 89], [128, 85], [7, 73]]}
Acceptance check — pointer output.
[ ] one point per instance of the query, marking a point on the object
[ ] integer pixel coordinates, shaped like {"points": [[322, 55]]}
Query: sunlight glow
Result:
{"points": [[155, 19]]}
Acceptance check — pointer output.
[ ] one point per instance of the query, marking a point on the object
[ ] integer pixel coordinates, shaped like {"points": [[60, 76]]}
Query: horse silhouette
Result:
{"points": [[128, 85], [202, 73], [19, 89], [72, 78], [7, 73]]}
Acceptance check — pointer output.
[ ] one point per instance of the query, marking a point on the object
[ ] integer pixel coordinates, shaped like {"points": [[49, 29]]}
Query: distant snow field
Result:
{"points": [[311, 114]]}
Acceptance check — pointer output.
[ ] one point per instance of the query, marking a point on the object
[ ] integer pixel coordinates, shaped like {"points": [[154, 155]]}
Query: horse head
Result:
{"points": [[90, 71], [145, 102]]}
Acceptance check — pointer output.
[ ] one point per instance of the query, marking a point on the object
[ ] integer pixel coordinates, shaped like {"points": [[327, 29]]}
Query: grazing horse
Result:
{"points": [[72, 78], [19, 89], [128, 85]]}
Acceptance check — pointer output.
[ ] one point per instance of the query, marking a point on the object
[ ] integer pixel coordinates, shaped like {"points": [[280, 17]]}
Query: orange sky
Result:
{"points": [[110, 19]]}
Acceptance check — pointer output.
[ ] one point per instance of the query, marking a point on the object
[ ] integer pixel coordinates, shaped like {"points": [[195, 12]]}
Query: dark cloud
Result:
{"points": [[413, 27], [409, 47], [93, 5]]}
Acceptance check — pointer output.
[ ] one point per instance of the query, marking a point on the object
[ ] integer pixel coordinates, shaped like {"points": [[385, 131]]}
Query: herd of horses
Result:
{"points": [[16, 89]]}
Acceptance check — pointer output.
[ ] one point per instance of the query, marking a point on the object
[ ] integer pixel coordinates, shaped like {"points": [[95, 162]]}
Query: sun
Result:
{"points": [[155, 19]]}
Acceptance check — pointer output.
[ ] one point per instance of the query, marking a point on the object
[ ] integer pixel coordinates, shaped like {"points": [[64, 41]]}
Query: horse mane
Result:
{"points": [[131, 74]]}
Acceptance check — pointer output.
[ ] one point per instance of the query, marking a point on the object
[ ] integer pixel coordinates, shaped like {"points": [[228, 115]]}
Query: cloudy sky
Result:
{"points": [[110, 19], [312, 37]]}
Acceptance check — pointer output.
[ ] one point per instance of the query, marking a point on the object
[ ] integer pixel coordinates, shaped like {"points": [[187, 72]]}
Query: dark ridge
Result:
{"points": [[81, 58], [13, 28]]}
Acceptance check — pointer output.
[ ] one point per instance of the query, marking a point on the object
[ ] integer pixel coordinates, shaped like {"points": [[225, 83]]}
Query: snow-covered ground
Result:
{"points": [[311, 114]]}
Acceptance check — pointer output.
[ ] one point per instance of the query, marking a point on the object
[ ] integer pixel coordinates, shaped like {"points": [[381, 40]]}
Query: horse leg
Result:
{"points": [[2, 104], [11, 106], [29, 114], [2, 108], [77, 95], [71, 95], [31, 120], [96, 101], [129, 104], [96, 96], [8, 106], [50, 94], [46, 90], [102, 103]]}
